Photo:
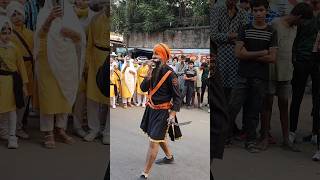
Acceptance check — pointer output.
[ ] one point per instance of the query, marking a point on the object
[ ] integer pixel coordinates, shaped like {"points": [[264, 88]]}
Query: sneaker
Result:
{"points": [[143, 105], [125, 106], [252, 147], [114, 106], [200, 106], [80, 132], [22, 134], [90, 137], [292, 137], [165, 160], [106, 140], [314, 139], [138, 104], [290, 147], [316, 157], [13, 142], [208, 110]]}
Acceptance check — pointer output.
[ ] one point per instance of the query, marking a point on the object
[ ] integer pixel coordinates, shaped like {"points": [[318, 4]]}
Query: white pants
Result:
{"points": [[113, 101], [20, 113], [3, 126], [47, 121], [12, 121], [126, 100], [79, 108], [143, 98], [97, 115]]}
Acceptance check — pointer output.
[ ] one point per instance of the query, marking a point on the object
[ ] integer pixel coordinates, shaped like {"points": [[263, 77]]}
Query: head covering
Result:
{"points": [[163, 51], [130, 79], [4, 20], [15, 6], [68, 72]]}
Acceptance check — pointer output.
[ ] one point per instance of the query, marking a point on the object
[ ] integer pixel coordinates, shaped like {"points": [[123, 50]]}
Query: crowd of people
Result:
{"points": [[127, 74], [262, 54], [50, 53]]}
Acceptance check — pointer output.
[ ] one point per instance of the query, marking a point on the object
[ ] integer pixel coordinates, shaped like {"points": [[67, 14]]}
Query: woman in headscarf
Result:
{"points": [[164, 100], [128, 82], [97, 50], [13, 78], [59, 59], [84, 13], [3, 6], [23, 39], [142, 73]]}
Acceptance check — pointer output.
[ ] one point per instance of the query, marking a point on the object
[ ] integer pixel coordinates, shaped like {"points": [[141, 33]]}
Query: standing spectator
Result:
{"points": [[204, 80], [226, 22], [280, 74], [271, 14], [31, 13], [199, 71], [306, 63], [180, 69], [190, 76], [256, 48]]}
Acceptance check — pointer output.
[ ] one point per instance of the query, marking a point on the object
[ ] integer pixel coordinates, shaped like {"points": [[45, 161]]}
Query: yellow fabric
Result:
{"points": [[51, 99], [99, 34], [81, 13], [113, 82], [13, 59], [125, 93], [118, 79], [142, 72], [27, 35]]}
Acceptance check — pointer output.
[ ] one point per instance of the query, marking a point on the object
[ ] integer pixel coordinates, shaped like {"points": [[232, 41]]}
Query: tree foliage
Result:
{"points": [[157, 15]]}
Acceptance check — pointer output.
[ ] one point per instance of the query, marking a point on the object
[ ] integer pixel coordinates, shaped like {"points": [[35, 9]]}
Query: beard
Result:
{"points": [[156, 72]]}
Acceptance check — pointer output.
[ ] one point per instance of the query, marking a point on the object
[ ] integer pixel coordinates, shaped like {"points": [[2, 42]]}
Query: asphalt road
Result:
{"points": [[275, 163], [80, 161], [129, 147]]}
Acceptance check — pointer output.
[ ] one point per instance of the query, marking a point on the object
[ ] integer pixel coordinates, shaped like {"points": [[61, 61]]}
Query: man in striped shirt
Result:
{"points": [[255, 48]]}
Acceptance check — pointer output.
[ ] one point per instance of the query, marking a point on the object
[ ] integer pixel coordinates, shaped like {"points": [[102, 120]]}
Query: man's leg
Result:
{"points": [[164, 146], [139, 96], [265, 120], [237, 98], [93, 120], [20, 114], [47, 126], [188, 95], [315, 75], [79, 108], [105, 110], [299, 80], [151, 156], [257, 93], [61, 126]]}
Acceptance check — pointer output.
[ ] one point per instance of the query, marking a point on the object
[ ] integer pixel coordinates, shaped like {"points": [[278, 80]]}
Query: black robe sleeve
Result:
{"points": [[145, 85], [174, 88]]}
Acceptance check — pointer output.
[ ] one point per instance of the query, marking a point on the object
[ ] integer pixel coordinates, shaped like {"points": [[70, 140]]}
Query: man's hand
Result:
{"points": [[55, 13], [68, 33], [232, 36]]}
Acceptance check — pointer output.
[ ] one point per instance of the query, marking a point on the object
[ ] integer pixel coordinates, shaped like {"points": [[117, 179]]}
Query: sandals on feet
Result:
{"points": [[49, 141], [63, 137]]}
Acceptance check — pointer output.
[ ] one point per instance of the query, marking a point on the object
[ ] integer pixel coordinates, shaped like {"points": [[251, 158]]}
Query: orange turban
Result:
{"points": [[163, 51]]}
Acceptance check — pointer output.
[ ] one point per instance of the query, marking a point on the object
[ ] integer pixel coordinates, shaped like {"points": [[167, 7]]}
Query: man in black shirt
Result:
{"points": [[255, 48]]}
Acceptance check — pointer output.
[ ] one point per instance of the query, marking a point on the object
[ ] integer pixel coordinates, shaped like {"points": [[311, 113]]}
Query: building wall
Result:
{"points": [[182, 38]]}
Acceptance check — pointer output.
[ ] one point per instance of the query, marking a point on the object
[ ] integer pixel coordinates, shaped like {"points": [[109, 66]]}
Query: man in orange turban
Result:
{"points": [[164, 101]]}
